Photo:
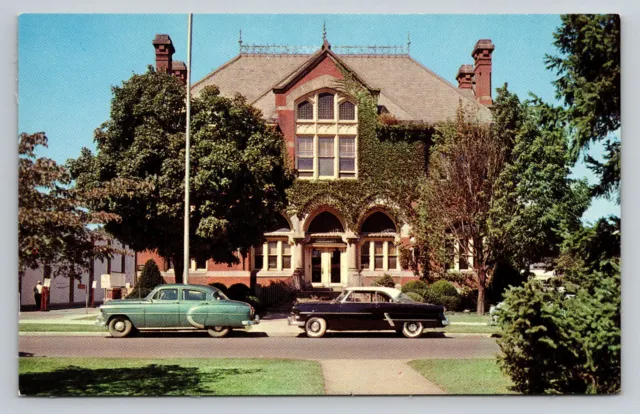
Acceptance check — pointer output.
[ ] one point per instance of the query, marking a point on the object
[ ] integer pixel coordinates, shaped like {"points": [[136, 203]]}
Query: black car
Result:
{"points": [[371, 308]]}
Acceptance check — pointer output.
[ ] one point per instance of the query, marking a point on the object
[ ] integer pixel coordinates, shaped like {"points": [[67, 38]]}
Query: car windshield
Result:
{"points": [[402, 298], [218, 295], [340, 297]]}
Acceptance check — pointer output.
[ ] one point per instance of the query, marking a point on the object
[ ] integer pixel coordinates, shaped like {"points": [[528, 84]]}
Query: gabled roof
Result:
{"points": [[408, 90]]}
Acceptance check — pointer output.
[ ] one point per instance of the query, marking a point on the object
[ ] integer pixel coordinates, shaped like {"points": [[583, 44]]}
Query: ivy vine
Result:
{"points": [[391, 161]]}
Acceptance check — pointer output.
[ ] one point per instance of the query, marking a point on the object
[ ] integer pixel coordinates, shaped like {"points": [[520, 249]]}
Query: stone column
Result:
{"points": [[298, 263], [352, 263]]}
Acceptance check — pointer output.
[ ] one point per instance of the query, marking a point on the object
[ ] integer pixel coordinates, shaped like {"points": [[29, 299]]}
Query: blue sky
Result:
{"points": [[68, 63]]}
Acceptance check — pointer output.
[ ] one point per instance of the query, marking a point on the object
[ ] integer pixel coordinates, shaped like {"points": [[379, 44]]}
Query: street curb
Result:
{"points": [[269, 334]]}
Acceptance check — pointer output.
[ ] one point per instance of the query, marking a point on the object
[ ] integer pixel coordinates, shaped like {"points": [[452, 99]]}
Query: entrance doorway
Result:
{"points": [[325, 265]]}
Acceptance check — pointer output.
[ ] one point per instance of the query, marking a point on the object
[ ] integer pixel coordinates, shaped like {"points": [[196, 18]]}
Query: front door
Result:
{"points": [[325, 268]]}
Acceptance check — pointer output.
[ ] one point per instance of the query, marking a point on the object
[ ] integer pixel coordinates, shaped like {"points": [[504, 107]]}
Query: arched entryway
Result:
{"points": [[377, 247], [325, 258]]}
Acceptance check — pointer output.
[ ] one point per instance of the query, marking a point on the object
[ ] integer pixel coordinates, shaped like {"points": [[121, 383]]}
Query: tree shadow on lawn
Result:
{"points": [[150, 380]]}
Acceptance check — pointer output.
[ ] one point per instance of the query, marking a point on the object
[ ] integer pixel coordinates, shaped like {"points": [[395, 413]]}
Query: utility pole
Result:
{"points": [[187, 206]]}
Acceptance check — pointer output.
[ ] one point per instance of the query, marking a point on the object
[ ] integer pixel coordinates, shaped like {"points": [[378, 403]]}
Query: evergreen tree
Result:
{"points": [[150, 277], [589, 84]]}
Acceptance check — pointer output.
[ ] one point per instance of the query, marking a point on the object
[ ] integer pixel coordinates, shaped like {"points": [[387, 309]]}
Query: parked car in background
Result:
{"points": [[177, 307], [368, 308]]}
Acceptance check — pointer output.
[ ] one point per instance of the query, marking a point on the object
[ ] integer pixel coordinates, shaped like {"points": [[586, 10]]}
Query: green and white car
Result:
{"points": [[177, 307]]}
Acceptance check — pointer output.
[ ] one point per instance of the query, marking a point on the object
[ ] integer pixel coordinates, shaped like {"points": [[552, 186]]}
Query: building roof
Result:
{"points": [[409, 90]]}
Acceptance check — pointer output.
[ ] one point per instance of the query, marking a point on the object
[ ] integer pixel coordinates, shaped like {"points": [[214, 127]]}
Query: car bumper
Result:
{"points": [[294, 322], [445, 321], [100, 321], [255, 321]]}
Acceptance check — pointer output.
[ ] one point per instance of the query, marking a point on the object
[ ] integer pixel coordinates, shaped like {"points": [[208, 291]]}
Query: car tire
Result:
{"points": [[315, 327], [412, 329], [218, 331], [120, 326]]}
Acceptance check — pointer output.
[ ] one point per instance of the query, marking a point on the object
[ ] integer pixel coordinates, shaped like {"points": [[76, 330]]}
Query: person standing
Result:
{"points": [[37, 294]]}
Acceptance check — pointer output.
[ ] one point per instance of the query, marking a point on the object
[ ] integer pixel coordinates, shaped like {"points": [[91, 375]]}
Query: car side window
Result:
{"points": [[359, 297], [167, 294], [188, 294], [381, 297]]}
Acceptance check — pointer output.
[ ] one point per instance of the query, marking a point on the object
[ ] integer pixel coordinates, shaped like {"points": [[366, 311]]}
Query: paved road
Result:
{"points": [[256, 345]]}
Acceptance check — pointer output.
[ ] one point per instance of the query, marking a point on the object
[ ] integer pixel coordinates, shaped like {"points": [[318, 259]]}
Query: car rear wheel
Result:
{"points": [[315, 327], [218, 331], [119, 327], [412, 329]]}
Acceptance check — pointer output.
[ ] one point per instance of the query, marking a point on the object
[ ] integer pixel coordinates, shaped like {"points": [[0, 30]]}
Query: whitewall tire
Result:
{"points": [[412, 329], [218, 331], [120, 326], [315, 327]]}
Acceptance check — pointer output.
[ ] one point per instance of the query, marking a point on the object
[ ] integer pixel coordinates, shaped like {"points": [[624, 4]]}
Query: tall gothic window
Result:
{"points": [[325, 106]]}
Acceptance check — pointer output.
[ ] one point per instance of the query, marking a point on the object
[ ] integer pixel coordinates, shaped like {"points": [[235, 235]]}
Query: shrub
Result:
{"points": [[274, 293], [385, 281], [415, 296], [555, 343], [220, 286], [416, 286], [253, 301], [444, 288], [469, 299], [444, 294], [238, 291], [150, 277]]}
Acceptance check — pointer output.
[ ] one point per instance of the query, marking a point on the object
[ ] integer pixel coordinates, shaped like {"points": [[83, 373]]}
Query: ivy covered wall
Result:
{"points": [[391, 161]]}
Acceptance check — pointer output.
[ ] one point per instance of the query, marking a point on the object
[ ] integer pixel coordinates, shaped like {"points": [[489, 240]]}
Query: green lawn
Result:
{"points": [[59, 327], [471, 329], [87, 318], [464, 376], [157, 377], [467, 317]]}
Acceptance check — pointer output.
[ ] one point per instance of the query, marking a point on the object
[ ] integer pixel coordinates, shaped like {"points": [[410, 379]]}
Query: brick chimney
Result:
{"points": [[179, 70], [164, 51], [465, 77], [482, 70]]}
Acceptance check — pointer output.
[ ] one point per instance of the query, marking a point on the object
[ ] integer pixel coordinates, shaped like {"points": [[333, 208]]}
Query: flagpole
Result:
{"points": [[187, 206]]}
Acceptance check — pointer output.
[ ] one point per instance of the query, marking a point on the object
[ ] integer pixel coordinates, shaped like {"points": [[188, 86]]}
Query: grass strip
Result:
{"points": [[55, 327], [168, 377], [464, 376], [467, 317]]}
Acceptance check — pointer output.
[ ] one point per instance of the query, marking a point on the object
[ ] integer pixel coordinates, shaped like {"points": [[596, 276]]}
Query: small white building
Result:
{"points": [[63, 293]]}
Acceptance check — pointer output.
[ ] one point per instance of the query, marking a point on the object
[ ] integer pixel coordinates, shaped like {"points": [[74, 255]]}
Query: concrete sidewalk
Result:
{"points": [[374, 377]]}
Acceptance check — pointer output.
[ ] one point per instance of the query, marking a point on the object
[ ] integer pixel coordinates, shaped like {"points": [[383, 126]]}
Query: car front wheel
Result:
{"points": [[119, 327], [315, 327], [412, 329], [218, 331]]}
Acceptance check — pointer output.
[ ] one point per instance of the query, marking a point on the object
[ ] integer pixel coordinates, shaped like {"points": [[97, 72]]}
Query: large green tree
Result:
{"points": [[239, 172], [535, 202], [464, 164], [54, 225], [589, 83]]}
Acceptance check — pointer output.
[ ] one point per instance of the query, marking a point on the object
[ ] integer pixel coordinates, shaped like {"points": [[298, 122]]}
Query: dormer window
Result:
{"points": [[326, 144], [305, 110]]}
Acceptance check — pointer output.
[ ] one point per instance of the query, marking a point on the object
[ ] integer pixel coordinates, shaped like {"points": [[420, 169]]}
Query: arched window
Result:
{"points": [[378, 222], [325, 106], [347, 111], [280, 225], [305, 110], [325, 222]]}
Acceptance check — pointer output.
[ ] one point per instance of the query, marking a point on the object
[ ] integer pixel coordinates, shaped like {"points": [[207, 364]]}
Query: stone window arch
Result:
{"points": [[325, 222]]}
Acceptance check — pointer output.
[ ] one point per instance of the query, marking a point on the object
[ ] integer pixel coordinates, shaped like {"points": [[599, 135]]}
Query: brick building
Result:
{"points": [[322, 244]]}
